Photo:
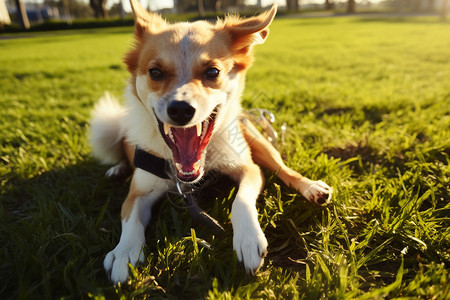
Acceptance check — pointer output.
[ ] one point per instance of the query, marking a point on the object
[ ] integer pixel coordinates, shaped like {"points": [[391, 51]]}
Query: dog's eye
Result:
{"points": [[156, 74], [212, 73]]}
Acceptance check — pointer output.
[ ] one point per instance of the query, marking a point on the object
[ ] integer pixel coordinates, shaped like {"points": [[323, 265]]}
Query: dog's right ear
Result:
{"points": [[145, 22]]}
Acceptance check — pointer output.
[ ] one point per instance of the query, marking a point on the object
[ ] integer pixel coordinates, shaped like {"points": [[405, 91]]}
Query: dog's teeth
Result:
{"points": [[179, 166], [166, 128], [199, 129], [205, 128], [196, 166]]}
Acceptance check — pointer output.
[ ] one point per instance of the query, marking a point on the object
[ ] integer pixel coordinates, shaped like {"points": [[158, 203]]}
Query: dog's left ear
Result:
{"points": [[245, 33]]}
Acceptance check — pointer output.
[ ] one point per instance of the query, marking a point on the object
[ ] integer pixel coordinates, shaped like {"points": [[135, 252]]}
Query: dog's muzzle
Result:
{"points": [[188, 144]]}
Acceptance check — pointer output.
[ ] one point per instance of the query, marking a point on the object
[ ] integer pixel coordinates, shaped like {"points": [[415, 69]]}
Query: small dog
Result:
{"points": [[183, 107]]}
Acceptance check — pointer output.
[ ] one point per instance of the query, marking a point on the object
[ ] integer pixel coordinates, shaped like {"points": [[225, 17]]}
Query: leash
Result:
{"points": [[198, 214], [264, 119]]}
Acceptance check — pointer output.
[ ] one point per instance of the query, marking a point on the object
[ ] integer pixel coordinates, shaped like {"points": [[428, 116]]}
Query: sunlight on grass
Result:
{"points": [[367, 108]]}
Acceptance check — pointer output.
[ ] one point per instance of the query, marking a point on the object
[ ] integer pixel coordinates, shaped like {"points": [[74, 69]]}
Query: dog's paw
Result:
{"points": [[250, 245], [317, 192], [116, 261], [119, 171]]}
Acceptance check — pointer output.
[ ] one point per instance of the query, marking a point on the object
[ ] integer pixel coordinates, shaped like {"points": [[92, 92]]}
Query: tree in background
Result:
{"points": [[99, 7], [117, 10], [66, 11], [201, 8], [79, 9], [183, 6], [219, 5], [351, 5], [22, 15], [292, 5], [69, 9], [4, 15], [444, 10], [329, 4]]}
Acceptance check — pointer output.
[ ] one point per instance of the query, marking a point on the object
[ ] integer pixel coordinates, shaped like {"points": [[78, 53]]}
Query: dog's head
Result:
{"points": [[186, 73]]}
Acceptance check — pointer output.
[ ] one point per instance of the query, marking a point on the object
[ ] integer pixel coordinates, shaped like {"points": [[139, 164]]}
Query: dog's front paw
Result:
{"points": [[250, 245], [316, 191], [116, 261]]}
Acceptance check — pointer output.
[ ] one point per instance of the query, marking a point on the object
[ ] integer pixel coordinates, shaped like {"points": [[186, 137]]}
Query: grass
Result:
{"points": [[367, 107]]}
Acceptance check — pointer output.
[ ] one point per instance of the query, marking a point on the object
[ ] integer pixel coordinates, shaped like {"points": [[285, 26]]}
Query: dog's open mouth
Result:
{"points": [[188, 146]]}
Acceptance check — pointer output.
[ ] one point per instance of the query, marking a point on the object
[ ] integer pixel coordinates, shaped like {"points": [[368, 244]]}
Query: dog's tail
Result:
{"points": [[106, 131]]}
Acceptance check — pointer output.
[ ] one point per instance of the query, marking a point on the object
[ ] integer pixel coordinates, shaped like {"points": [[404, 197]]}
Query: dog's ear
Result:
{"points": [[245, 33], [145, 22]]}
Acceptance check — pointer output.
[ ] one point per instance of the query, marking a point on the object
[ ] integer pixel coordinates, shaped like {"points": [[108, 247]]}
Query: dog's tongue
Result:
{"points": [[187, 152], [188, 147]]}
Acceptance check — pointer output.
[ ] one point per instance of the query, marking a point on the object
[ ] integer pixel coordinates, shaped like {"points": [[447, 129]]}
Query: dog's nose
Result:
{"points": [[180, 112]]}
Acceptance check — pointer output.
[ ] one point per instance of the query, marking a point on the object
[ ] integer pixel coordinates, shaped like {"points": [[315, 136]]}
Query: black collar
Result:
{"points": [[150, 163]]}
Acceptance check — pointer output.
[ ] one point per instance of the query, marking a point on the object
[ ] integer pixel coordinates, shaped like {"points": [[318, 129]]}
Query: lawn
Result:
{"points": [[367, 108]]}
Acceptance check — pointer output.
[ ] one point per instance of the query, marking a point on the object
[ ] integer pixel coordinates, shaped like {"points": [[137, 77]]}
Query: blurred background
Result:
{"points": [[23, 14]]}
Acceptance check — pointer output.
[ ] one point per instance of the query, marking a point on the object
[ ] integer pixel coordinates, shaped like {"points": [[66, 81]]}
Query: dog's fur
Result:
{"points": [[183, 105]]}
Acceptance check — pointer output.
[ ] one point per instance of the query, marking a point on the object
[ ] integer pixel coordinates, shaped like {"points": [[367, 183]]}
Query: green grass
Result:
{"points": [[367, 105]]}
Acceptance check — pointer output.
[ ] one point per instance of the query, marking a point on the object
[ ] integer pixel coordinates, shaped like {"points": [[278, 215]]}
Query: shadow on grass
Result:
{"points": [[54, 231], [58, 226]]}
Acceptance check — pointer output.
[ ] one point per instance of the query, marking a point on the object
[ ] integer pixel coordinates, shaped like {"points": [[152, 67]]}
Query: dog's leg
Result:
{"points": [[145, 190], [119, 171], [249, 241], [265, 155], [125, 166]]}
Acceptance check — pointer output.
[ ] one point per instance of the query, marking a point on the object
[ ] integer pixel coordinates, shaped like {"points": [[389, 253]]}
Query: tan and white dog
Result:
{"points": [[183, 105]]}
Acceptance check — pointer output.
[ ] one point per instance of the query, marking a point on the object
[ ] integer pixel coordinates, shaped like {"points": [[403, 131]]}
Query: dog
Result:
{"points": [[183, 107]]}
